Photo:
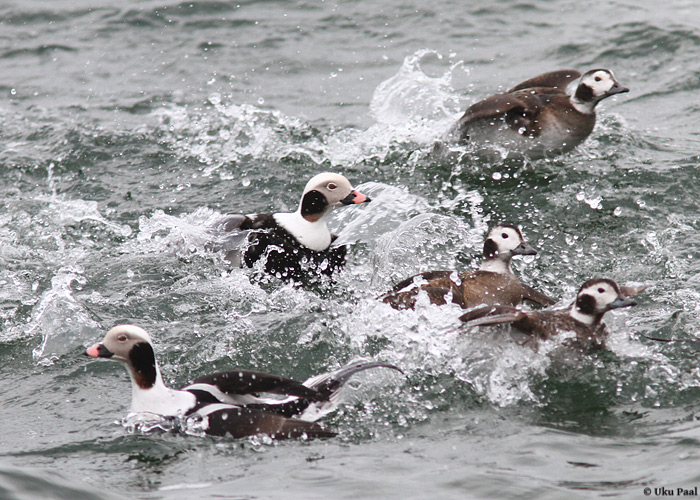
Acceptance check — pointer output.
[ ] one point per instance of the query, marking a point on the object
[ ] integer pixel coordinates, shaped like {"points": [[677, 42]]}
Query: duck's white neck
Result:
{"points": [[585, 107], [312, 234], [496, 265], [586, 319], [160, 399]]}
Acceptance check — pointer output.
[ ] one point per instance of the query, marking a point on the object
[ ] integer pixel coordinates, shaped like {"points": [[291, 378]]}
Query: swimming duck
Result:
{"points": [[228, 403], [583, 319], [494, 282], [298, 245]]}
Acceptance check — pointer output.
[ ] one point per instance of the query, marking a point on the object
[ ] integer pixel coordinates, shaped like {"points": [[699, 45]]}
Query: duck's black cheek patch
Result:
{"points": [[490, 248], [313, 203], [143, 362], [587, 305], [584, 93]]}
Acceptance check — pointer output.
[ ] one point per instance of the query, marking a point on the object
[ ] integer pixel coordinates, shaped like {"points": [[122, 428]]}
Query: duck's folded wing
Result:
{"points": [[533, 295], [492, 315], [520, 110], [559, 80], [494, 107], [245, 382]]}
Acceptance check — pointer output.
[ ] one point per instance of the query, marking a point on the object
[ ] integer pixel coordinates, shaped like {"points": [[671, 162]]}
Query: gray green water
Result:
{"points": [[125, 125]]}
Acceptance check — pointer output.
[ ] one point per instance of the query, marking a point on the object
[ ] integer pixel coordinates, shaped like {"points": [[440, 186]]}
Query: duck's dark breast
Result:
{"points": [[286, 258]]}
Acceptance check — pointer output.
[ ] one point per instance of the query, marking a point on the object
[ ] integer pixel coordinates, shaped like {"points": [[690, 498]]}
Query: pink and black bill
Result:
{"points": [[98, 351], [355, 198]]}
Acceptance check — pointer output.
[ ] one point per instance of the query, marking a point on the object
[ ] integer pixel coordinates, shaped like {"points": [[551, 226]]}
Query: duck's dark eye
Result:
{"points": [[331, 186], [601, 290], [122, 338], [504, 236], [597, 78]]}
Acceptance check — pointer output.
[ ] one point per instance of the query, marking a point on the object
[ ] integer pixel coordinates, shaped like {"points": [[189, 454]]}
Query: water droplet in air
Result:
{"points": [[497, 176], [245, 182]]}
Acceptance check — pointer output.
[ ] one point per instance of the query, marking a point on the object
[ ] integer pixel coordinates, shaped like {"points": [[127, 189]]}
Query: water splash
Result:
{"points": [[413, 103], [185, 235], [427, 239], [390, 206], [228, 133], [410, 107], [430, 341], [62, 321], [73, 211]]}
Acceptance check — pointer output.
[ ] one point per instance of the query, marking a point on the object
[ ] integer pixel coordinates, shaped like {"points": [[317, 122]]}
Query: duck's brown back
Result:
{"points": [[468, 289]]}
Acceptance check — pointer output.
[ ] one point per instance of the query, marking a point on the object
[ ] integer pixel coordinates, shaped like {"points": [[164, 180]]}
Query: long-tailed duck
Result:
{"points": [[295, 246], [228, 403], [583, 318], [537, 117], [494, 282]]}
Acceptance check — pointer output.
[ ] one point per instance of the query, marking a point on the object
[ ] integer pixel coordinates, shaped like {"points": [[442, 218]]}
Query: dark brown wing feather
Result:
{"points": [[521, 111], [539, 324], [436, 283], [558, 80], [493, 107], [493, 315]]}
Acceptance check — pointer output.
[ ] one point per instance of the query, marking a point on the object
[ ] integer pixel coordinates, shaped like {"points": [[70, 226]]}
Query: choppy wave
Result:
{"points": [[109, 184], [26, 483]]}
